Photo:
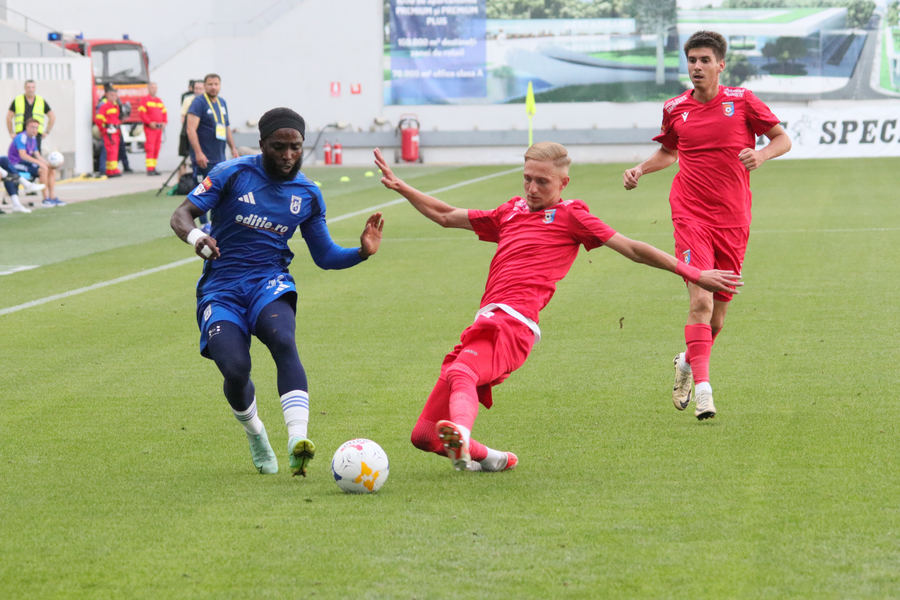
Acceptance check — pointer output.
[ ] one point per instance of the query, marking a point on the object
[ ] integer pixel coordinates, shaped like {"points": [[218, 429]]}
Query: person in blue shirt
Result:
{"points": [[208, 130], [11, 181], [256, 203], [25, 158]]}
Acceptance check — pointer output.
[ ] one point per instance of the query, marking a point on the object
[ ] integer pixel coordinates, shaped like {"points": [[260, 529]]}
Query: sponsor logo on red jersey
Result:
{"points": [[671, 104]]}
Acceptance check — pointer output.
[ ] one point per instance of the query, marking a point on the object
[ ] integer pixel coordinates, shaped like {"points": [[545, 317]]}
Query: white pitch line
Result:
{"points": [[96, 286], [12, 270], [436, 191], [837, 230], [178, 263]]}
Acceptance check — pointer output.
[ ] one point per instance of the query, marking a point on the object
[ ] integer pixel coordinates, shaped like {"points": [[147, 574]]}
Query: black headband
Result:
{"points": [[281, 118]]}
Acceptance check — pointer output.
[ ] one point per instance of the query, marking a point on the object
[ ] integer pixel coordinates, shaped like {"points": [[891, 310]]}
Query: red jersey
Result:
{"points": [[107, 114], [534, 249], [712, 186], [152, 110]]}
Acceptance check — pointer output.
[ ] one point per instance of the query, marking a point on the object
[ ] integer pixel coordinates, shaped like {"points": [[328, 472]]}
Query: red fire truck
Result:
{"points": [[122, 63]]}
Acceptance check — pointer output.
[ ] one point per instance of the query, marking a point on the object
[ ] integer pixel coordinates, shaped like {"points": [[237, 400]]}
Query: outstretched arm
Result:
{"points": [[328, 255], [713, 280], [658, 161], [438, 211]]}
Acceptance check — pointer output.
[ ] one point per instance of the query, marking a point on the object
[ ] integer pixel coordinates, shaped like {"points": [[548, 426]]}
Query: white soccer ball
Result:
{"points": [[55, 159], [360, 466]]}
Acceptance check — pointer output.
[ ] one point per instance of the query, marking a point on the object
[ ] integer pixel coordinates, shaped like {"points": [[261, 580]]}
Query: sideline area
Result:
{"points": [[79, 189]]}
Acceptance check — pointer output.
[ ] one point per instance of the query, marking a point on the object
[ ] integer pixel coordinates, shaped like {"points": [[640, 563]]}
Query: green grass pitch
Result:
{"points": [[124, 474]]}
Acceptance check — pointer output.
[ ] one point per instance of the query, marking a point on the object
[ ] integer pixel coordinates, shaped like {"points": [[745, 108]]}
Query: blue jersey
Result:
{"points": [[253, 217], [21, 141], [213, 113]]}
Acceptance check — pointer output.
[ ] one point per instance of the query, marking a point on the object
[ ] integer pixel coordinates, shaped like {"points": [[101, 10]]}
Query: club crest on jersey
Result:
{"points": [[296, 202], [687, 257], [549, 215], [728, 108]]}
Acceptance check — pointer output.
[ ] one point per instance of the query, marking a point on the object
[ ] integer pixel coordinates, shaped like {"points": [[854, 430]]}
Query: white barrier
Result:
{"points": [[65, 83]]}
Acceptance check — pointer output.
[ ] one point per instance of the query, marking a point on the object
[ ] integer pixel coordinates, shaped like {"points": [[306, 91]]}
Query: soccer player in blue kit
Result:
{"points": [[256, 203]]}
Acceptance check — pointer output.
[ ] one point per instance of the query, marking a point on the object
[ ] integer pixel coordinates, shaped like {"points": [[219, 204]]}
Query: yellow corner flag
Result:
{"points": [[530, 108]]}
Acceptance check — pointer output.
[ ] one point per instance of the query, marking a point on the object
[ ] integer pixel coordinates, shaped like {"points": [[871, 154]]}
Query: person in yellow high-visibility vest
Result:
{"points": [[30, 106]]}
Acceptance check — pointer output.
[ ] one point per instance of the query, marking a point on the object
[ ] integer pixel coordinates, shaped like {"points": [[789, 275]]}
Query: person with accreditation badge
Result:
{"points": [[257, 203], [209, 131]]}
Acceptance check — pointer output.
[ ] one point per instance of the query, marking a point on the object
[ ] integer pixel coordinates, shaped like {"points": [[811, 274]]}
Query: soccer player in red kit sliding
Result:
{"points": [[711, 131], [537, 239]]}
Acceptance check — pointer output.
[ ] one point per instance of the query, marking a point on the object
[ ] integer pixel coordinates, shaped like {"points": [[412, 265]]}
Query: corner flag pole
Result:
{"points": [[530, 109]]}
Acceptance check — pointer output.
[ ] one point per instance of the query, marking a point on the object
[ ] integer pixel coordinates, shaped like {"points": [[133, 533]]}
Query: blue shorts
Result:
{"points": [[241, 301], [27, 167]]}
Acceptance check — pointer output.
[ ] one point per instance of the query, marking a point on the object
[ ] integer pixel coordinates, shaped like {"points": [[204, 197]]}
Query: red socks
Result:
{"points": [[699, 340], [454, 397], [463, 395], [464, 403]]}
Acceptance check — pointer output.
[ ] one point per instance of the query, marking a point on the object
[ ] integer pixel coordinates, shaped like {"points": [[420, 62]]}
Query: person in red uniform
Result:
{"points": [[107, 120], [537, 237], [154, 117], [711, 131]]}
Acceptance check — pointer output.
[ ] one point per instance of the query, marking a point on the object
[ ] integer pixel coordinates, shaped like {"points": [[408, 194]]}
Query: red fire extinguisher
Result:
{"points": [[327, 152], [338, 154], [408, 126]]}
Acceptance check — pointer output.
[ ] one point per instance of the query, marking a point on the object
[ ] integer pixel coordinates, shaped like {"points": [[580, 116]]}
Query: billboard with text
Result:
{"points": [[487, 51]]}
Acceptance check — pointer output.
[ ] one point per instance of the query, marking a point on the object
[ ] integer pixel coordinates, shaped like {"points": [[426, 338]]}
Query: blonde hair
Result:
{"points": [[549, 151]]}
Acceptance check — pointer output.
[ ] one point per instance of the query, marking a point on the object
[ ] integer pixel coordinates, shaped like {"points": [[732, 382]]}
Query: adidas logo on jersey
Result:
{"points": [[248, 198]]}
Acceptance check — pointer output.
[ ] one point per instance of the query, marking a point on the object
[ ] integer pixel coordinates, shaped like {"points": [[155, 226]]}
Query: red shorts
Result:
{"points": [[511, 341], [708, 247]]}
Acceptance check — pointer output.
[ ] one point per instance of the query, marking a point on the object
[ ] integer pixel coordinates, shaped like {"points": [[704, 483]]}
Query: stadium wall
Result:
{"points": [[65, 83]]}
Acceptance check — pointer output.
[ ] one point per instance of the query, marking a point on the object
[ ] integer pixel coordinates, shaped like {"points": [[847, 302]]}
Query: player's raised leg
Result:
{"points": [[456, 432], [425, 434], [473, 367], [699, 342]]}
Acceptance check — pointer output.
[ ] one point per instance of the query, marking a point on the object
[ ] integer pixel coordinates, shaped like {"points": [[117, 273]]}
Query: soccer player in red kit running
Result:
{"points": [[537, 239], [711, 131]]}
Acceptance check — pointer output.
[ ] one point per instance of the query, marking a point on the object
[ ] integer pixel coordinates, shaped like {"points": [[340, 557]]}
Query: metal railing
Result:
{"points": [[36, 68]]}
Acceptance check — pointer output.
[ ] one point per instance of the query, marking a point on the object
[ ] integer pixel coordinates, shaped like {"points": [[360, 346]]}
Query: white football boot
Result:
{"points": [[704, 409], [681, 391]]}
